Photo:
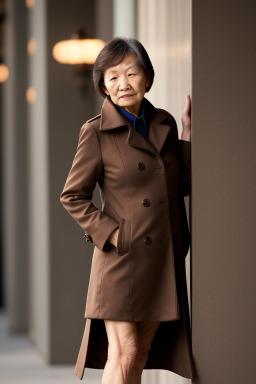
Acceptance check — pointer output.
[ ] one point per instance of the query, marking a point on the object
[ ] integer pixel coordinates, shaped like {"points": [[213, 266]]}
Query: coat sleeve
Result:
{"points": [[184, 158], [79, 186]]}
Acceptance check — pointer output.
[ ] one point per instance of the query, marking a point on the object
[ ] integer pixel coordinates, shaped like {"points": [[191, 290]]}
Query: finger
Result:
{"points": [[187, 105]]}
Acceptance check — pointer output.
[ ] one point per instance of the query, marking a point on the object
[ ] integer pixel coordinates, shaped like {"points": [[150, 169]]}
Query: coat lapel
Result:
{"points": [[159, 127]]}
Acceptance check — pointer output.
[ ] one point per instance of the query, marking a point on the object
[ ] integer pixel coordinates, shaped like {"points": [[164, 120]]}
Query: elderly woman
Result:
{"points": [[136, 312]]}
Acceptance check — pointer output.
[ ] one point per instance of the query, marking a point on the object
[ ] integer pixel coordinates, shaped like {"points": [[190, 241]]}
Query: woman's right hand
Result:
{"points": [[113, 237], [186, 120]]}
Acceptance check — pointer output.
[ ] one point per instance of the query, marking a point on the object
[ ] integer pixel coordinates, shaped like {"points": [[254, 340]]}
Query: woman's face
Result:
{"points": [[126, 84]]}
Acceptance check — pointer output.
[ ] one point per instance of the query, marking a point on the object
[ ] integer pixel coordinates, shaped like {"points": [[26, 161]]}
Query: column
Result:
{"points": [[224, 187], [124, 18], [15, 169], [60, 259]]}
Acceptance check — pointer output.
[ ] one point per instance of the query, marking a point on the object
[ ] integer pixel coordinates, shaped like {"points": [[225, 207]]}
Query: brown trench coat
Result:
{"points": [[142, 188]]}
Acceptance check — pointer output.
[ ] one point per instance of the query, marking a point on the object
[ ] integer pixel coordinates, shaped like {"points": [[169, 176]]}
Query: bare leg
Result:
{"points": [[146, 333], [129, 344], [122, 351]]}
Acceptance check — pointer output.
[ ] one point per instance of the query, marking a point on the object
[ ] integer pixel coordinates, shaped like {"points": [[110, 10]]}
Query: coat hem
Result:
{"points": [[85, 361], [129, 318]]}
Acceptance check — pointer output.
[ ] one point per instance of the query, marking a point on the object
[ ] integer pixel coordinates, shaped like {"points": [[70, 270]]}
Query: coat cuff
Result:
{"points": [[100, 239]]}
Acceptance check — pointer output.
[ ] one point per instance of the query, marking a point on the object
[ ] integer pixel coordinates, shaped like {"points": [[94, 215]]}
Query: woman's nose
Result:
{"points": [[123, 84]]}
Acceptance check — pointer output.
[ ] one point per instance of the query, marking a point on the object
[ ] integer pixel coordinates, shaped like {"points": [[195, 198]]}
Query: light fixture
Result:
{"points": [[4, 73], [31, 46], [31, 94], [30, 3], [77, 50]]}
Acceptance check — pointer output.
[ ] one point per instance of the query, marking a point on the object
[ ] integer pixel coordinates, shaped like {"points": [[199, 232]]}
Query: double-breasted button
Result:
{"points": [[148, 240], [171, 202], [167, 163], [141, 166], [146, 202], [88, 237]]}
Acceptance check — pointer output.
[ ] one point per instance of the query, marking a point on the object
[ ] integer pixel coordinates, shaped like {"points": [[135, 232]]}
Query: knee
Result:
{"points": [[124, 355], [129, 355], [141, 358]]}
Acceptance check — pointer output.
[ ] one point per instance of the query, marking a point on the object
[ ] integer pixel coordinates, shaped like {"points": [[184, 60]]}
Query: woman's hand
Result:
{"points": [[113, 237], [186, 120]]}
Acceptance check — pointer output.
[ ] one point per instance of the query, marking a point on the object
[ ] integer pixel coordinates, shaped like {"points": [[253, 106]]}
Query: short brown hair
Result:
{"points": [[113, 53]]}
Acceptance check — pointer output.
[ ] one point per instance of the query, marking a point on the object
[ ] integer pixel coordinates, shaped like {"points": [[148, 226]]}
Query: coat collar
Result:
{"points": [[159, 126]]}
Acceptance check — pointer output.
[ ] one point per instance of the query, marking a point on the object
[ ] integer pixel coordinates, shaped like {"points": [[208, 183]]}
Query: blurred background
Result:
{"points": [[200, 47], [45, 99]]}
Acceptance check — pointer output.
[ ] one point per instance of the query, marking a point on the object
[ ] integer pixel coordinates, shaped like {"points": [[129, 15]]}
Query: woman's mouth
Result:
{"points": [[126, 96]]}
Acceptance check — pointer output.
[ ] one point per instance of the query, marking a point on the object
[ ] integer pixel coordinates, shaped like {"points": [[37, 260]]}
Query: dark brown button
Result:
{"points": [[167, 163], [175, 238], [171, 202], [148, 240], [146, 202], [141, 166], [88, 237]]}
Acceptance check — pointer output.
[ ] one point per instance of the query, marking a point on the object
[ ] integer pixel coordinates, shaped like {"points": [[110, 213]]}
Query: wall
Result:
{"points": [[224, 187], [14, 150], [69, 107]]}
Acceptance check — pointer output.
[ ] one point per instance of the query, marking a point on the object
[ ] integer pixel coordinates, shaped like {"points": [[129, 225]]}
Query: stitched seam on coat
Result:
{"points": [[102, 272], [173, 260], [98, 143], [101, 281], [173, 124], [129, 193]]}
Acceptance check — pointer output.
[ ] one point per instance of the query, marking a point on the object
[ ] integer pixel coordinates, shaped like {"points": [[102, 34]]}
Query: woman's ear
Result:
{"points": [[148, 80], [104, 88]]}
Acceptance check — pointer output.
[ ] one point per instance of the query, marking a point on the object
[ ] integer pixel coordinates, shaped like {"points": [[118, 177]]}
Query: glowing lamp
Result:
{"points": [[81, 52], [77, 51], [4, 73]]}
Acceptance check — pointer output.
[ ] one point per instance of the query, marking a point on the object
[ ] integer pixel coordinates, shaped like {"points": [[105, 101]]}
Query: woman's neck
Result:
{"points": [[134, 109]]}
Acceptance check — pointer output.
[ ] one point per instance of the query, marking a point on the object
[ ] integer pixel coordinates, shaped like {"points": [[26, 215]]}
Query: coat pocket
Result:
{"points": [[122, 243]]}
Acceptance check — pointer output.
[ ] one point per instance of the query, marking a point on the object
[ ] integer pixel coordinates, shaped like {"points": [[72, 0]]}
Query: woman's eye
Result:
{"points": [[131, 74], [113, 78]]}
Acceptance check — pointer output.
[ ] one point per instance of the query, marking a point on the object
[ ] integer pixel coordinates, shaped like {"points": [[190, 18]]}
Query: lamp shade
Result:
{"points": [[77, 51]]}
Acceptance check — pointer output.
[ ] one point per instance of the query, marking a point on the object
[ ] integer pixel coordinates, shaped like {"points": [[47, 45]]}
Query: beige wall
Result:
{"points": [[164, 28], [224, 188]]}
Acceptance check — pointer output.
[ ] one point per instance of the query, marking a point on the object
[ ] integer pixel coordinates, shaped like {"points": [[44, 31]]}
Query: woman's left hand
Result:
{"points": [[186, 120]]}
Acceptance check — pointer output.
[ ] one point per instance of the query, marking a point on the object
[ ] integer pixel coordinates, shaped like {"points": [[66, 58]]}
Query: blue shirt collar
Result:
{"points": [[133, 118]]}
